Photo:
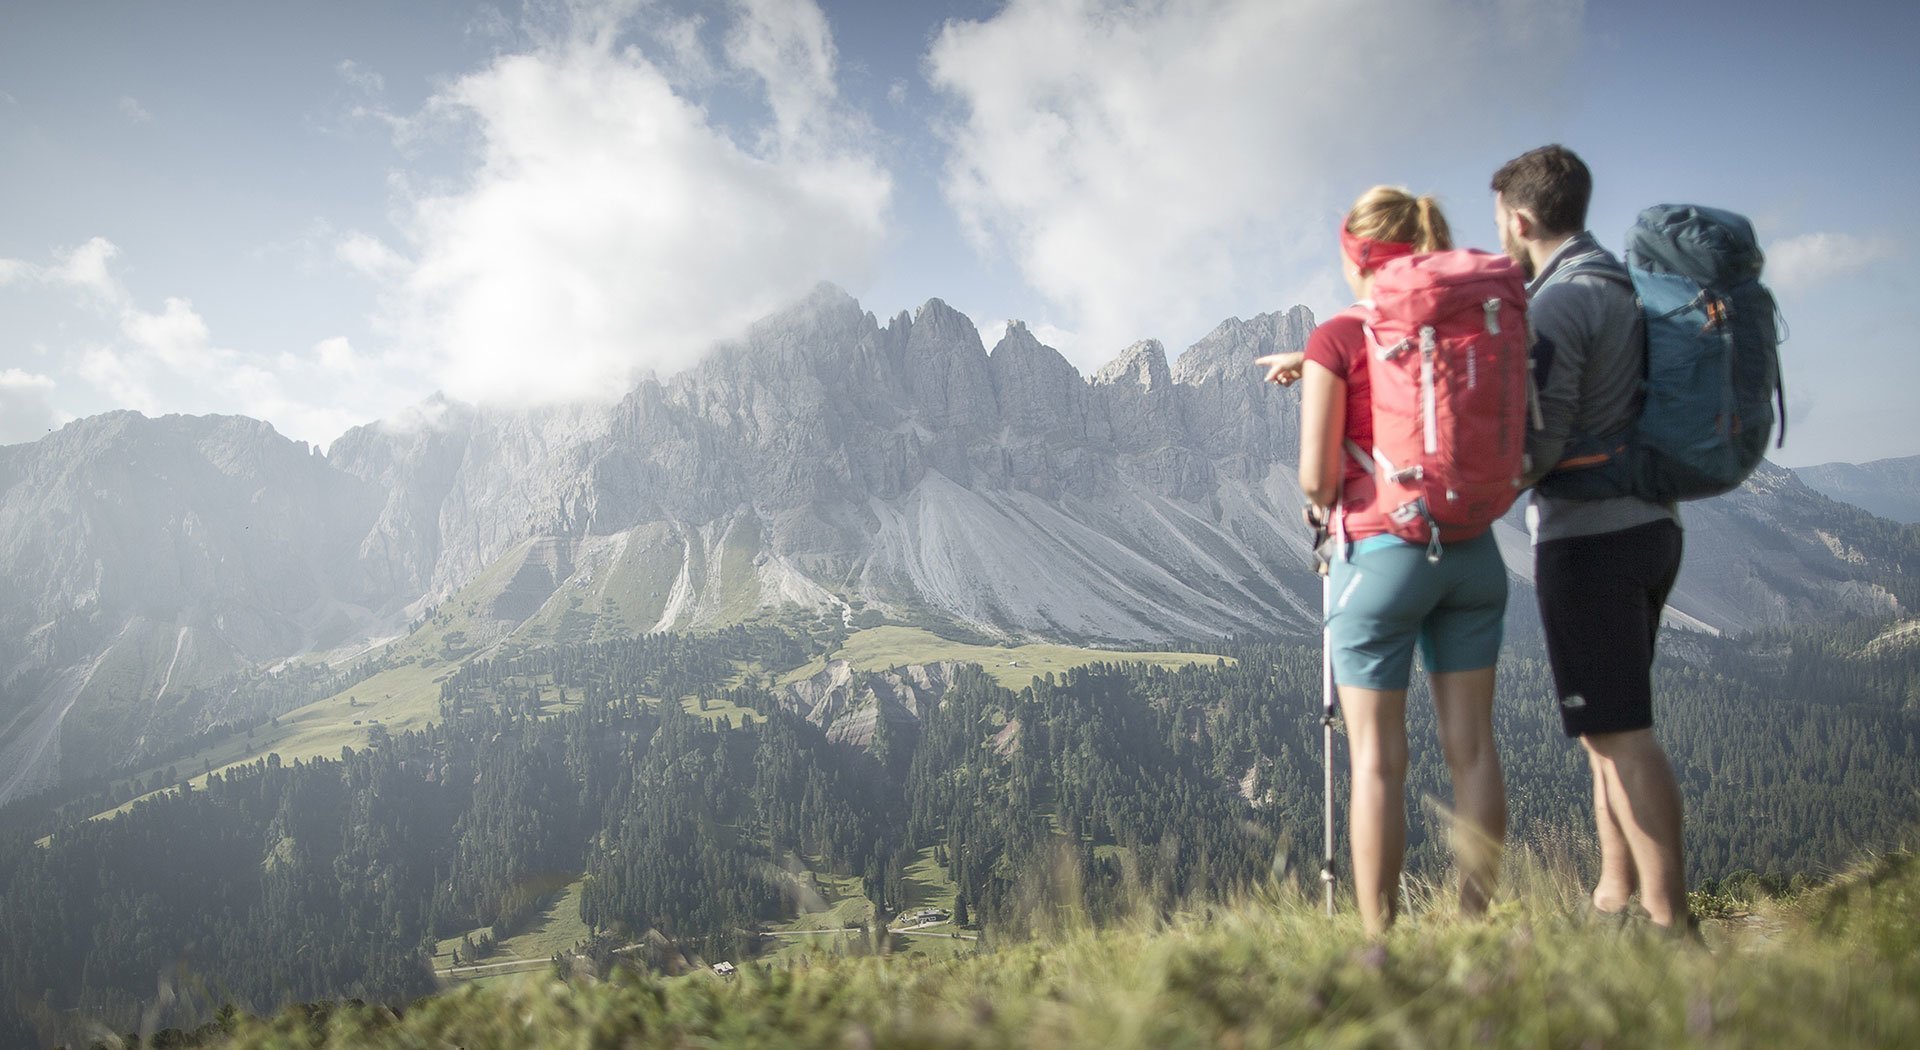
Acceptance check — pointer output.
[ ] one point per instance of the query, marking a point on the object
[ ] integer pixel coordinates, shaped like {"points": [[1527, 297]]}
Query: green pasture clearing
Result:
{"points": [[718, 708], [555, 927], [942, 946], [878, 648], [401, 699], [927, 886], [829, 902]]}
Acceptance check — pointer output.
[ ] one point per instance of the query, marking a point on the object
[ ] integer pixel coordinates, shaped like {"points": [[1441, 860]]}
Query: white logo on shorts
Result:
{"points": [[1574, 701]]}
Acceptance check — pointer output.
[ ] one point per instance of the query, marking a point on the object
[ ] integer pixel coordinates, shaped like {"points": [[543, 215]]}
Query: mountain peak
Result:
{"points": [[1142, 364], [946, 368], [1227, 352], [824, 316], [831, 293], [939, 319], [1017, 339], [940, 329]]}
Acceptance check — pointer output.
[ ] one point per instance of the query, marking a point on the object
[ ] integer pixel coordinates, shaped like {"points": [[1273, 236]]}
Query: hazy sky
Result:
{"points": [[318, 214]]}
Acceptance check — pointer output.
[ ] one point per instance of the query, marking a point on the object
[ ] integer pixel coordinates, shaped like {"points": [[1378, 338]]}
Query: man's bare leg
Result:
{"points": [[1644, 799], [1618, 881]]}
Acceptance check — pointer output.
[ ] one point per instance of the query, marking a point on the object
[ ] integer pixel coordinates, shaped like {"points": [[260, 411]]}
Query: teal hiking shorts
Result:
{"points": [[1385, 597]]}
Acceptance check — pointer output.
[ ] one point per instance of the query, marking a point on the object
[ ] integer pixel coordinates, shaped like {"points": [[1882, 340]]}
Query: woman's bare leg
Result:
{"points": [[1463, 706], [1377, 810]]}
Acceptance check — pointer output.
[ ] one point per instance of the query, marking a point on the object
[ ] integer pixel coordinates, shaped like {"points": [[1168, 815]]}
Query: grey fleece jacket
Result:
{"points": [[1588, 342]]}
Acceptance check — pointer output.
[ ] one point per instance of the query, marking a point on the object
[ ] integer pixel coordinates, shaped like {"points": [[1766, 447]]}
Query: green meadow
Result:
{"points": [[879, 648], [1838, 966]]}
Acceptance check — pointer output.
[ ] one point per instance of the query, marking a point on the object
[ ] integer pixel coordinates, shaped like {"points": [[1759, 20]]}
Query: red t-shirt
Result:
{"points": [[1340, 347]]}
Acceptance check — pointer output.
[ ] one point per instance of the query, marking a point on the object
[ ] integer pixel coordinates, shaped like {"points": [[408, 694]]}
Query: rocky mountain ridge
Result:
{"points": [[1889, 488], [825, 460]]}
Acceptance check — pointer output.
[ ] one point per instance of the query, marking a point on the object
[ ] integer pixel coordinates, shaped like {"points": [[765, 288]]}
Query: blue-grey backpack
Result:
{"points": [[1712, 372]]}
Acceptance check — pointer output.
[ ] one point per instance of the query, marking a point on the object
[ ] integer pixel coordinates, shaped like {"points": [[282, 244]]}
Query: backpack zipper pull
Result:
{"points": [[1493, 316]]}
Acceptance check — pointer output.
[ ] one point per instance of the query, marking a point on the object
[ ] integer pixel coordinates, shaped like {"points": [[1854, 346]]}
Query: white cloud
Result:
{"points": [[177, 336], [1150, 166], [369, 88], [433, 413], [360, 77], [114, 374], [87, 267], [610, 224], [26, 413], [131, 109], [786, 44], [17, 380], [1795, 264], [615, 216], [173, 351], [170, 364], [684, 54], [370, 256], [338, 355], [167, 360]]}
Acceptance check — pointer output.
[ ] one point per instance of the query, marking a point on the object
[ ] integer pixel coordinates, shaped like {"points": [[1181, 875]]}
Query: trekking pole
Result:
{"points": [[1326, 734], [1328, 706]]}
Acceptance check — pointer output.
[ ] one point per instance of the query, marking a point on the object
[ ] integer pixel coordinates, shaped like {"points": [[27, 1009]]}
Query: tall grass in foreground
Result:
{"points": [[1838, 966]]}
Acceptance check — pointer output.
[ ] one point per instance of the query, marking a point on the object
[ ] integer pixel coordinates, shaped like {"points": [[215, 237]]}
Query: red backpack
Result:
{"points": [[1447, 355]]}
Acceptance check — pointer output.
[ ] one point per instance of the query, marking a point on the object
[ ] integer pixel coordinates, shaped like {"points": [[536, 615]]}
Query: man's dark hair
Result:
{"points": [[1552, 183]]}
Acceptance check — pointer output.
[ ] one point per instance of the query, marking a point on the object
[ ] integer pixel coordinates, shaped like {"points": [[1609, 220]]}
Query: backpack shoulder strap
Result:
{"points": [[1593, 264]]}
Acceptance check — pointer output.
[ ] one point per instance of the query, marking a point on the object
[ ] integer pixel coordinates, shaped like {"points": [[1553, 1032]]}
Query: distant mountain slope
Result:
{"points": [[142, 556], [898, 470], [1887, 487]]}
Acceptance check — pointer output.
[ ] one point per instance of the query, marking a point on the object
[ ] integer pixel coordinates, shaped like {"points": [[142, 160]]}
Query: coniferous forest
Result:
{"points": [[1105, 789]]}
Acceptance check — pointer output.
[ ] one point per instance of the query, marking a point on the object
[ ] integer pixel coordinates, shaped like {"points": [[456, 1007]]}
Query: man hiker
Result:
{"points": [[1602, 566]]}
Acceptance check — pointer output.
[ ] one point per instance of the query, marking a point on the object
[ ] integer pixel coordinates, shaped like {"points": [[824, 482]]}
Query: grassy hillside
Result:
{"points": [[878, 648], [1836, 967]]}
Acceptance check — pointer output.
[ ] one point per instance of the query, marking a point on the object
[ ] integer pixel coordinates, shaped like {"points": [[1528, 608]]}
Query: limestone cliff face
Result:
{"points": [[823, 458], [850, 704], [1241, 426], [902, 464]]}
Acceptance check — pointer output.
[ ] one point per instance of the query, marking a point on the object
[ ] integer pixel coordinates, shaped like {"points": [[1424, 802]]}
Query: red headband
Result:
{"points": [[1367, 253]]}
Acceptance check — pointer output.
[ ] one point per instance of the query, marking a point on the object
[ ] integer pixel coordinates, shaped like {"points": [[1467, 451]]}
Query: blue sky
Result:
{"points": [[319, 214]]}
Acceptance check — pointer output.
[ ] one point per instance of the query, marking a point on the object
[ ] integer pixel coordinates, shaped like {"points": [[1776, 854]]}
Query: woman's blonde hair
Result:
{"points": [[1390, 213]]}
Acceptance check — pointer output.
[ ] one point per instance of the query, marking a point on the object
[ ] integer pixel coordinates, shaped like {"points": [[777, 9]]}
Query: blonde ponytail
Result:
{"points": [[1390, 213], [1434, 235]]}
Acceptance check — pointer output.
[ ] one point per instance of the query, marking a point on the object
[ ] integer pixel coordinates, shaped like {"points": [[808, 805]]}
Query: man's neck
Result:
{"points": [[1542, 252]]}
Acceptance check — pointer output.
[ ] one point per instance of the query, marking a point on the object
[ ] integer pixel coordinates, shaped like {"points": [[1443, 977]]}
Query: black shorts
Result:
{"points": [[1600, 601]]}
